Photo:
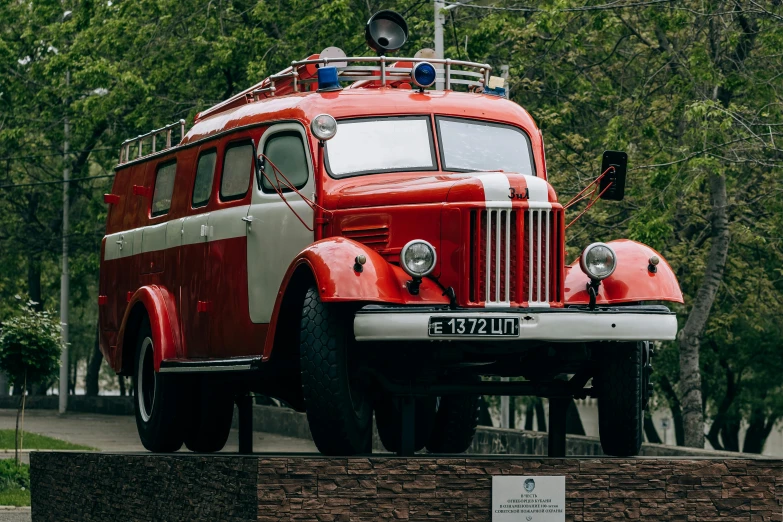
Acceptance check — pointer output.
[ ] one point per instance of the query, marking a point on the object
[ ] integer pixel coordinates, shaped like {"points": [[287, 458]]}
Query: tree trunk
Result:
{"points": [[690, 335], [121, 379], [758, 431], [650, 431], [676, 409], [573, 420], [485, 419], [530, 412], [512, 413], [94, 367], [729, 435], [24, 395], [540, 414]]}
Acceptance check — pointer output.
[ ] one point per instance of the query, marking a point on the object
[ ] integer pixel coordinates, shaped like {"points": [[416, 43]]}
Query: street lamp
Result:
{"points": [[65, 281]]}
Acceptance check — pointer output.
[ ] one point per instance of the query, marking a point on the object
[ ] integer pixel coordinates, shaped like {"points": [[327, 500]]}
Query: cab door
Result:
{"points": [[275, 234], [194, 283], [227, 253]]}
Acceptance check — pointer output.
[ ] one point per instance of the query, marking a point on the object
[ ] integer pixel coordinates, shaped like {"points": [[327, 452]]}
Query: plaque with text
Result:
{"points": [[528, 499]]}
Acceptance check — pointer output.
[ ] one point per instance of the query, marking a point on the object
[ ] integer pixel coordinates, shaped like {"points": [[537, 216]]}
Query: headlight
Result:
{"points": [[323, 127], [598, 261], [418, 258]]}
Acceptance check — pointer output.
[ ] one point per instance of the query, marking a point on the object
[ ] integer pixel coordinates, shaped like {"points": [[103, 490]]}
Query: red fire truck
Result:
{"points": [[368, 236]]}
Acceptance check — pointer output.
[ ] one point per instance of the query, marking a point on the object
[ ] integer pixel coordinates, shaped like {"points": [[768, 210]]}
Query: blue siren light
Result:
{"points": [[327, 79], [423, 74]]}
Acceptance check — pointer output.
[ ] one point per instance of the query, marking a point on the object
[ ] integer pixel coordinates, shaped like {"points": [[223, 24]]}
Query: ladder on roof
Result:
{"points": [[137, 143]]}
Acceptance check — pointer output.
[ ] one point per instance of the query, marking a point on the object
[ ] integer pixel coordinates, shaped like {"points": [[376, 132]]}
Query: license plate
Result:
{"points": [[474, 326]]}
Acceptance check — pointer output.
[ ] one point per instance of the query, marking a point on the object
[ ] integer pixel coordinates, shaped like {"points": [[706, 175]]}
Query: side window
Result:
{"points": [[164, 188], [237, 169], [287, 152], [205, 173]]}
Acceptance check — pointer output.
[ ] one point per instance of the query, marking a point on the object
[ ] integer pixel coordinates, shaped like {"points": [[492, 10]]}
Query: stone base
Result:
{"points": [[88, 486]]}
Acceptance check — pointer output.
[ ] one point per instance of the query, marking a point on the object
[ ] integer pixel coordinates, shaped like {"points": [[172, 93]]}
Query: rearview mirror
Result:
{"points": [[616, 177]]}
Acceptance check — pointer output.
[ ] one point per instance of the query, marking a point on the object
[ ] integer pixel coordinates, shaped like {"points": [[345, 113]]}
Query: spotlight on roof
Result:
{"points": [[386, 32]]}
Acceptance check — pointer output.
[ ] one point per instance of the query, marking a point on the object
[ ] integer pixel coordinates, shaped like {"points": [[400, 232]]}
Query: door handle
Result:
{"points": [[247, 219]]}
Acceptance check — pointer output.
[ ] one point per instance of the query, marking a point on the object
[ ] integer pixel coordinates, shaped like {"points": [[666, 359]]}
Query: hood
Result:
{"points": [[407, 189]]}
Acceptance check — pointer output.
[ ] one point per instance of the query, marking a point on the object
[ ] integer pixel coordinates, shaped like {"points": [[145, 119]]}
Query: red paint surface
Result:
{"points": [[631, 280], [371, 215]]}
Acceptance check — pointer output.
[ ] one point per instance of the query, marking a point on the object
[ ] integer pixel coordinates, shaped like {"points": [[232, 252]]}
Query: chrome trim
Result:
{"points": [[543, 326], [494, 229], [236, 364], [539, 265]]}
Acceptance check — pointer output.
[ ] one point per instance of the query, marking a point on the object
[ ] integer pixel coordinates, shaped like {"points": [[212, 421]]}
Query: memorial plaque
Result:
{"points": [[528, 499]]}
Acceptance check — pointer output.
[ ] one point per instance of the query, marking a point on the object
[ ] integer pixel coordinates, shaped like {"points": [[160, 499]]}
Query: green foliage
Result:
{"points": [[14, 483], [36, 441], [30, 345]]}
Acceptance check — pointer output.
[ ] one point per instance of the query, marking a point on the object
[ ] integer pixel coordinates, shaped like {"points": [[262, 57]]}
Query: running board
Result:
{"points": [[234, 364]]}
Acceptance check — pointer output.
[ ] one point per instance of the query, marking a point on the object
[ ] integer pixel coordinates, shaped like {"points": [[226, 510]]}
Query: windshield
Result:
{"points": [[380, 145], [394, 144], [469, 145]]}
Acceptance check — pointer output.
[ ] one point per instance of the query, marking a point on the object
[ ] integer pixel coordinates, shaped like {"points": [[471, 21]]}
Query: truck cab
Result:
{"points": [[348, 239]]}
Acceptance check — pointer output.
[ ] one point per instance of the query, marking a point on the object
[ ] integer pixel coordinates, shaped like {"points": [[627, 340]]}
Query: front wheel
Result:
{"points": [[158, 403], [620, 398], [338, 407]]}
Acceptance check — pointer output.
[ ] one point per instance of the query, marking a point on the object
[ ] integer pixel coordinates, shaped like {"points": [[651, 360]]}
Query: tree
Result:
{"points": [[29, 353]]}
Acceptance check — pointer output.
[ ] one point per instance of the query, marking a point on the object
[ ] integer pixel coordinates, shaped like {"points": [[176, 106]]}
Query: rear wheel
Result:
{"points": [[158, 404], [211, 413], [620, 398], [388, 419], [338, 407], [455, 424]]}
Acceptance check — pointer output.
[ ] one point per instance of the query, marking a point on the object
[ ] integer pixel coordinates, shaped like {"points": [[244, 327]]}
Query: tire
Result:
{"points": [[455, 424], [620, 397], [339, 411], [210, 417], [388, 419], [158, 405]]}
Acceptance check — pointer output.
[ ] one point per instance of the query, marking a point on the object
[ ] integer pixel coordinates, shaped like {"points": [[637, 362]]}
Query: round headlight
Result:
{"points": [[324, 127], [598, 261], [423, 74], [418, 258]]}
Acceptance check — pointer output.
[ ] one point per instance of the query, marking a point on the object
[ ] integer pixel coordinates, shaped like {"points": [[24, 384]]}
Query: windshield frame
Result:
{"points": [[434, 157], [473, 121]]}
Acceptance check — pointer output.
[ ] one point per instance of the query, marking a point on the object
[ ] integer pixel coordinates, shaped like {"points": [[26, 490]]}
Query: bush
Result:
{"points": [[13, 476], [30, 346]]}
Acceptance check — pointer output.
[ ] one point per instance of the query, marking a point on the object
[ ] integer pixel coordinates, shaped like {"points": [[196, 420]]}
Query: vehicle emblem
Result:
{"points": [[513, 194]]}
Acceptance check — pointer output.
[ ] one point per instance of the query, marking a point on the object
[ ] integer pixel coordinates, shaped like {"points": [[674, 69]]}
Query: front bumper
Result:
{"points": [[574, 324]]}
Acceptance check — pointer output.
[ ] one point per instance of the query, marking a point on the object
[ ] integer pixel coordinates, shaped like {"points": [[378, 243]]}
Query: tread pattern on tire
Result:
{"points": [[620, 414], [324, 333], [455, 424]]}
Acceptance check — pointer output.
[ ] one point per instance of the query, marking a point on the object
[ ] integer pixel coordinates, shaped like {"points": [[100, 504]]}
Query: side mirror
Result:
{"points": [[616, 177], [259, 168]]}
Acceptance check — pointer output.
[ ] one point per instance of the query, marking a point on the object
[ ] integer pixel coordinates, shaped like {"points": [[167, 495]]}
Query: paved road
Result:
{"points": [[115, 433]]}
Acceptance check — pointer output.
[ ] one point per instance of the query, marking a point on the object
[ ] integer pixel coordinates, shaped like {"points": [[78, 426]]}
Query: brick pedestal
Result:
{"points": [[85, 487]]}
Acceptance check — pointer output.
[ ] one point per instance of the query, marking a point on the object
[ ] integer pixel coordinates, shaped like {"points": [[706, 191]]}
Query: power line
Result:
{"points": [[54, 182], [602, 7]]}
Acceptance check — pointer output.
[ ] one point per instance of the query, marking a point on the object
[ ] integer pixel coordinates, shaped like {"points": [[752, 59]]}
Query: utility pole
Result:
{"points": [[65, 276], [439, 7]]}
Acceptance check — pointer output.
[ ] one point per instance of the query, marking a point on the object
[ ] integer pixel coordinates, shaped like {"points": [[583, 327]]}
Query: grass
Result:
{"points": [[14, 483], [36, 441]]}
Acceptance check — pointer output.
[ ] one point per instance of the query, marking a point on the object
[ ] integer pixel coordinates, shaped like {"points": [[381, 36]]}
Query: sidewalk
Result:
{"points": [[117, 433]]}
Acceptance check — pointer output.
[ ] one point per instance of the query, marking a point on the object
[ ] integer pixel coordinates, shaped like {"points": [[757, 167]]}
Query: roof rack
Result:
{"points": [[126, 147], [380, 68]]}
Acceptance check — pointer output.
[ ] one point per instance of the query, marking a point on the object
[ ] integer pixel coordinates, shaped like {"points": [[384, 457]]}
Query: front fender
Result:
{"points": [[159, 305], [331, 261], [332, 264], [631, 280]]}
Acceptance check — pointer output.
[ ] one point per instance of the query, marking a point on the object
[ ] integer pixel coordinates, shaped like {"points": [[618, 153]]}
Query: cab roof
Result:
{"points": [[361, 103]]}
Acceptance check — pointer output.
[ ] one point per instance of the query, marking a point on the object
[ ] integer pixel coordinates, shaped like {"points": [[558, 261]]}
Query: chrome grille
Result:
{"points": [[503, 274]]}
